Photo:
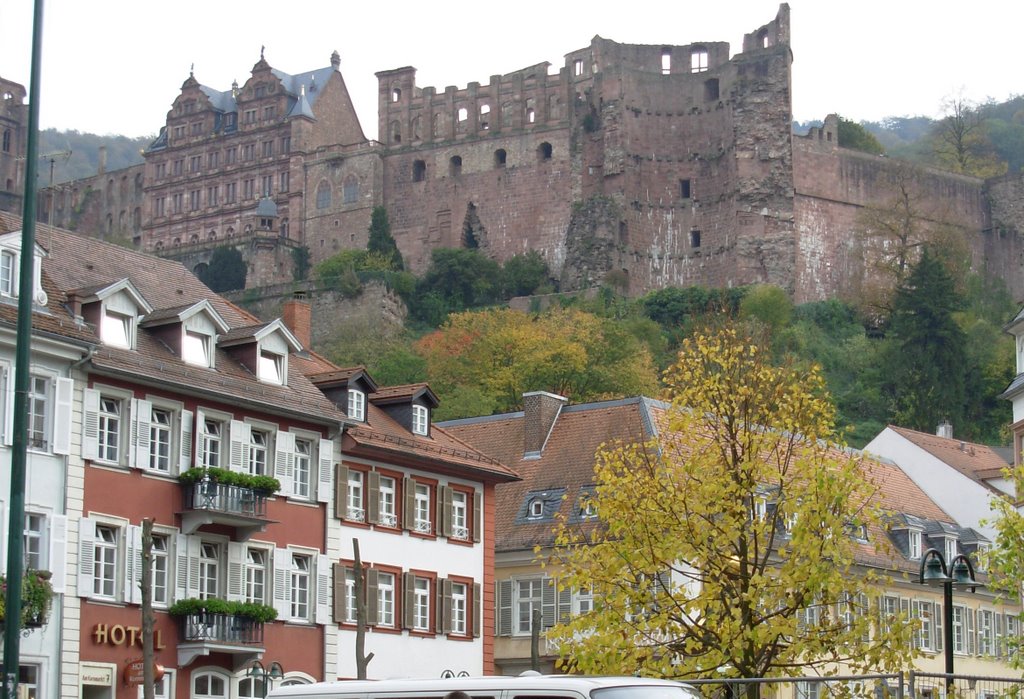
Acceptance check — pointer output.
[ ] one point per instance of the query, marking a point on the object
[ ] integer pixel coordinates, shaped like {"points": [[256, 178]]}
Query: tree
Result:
{"points": [[723, 545], [854, 136], [494, 356], [380, 240], [768, 304], [961, 143], [226, 271], [928, 358], [527, 274], [457, 279]]}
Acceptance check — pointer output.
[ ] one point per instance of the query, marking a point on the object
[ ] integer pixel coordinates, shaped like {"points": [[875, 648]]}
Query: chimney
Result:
{"points": [[297, 315], [540, 410], [945, 429], [102, 166]]}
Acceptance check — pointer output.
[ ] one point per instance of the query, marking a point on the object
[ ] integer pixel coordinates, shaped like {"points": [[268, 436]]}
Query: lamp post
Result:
{"points": [[959, 573], [266, 675]]}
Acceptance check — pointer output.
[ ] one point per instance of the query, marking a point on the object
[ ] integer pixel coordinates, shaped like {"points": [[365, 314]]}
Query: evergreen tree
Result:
{"points": [[380, 238], [928, 358], [226, 271]]}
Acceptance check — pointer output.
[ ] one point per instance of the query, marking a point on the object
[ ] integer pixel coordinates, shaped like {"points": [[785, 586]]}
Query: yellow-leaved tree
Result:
{"points": [[733, 544], [1005, 562]]}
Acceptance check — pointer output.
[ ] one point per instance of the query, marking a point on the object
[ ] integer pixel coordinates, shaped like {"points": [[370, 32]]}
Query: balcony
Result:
{"points": [[203, 633], [210, 502]]}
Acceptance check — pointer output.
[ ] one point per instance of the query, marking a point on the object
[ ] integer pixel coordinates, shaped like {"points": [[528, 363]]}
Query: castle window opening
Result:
{"points": [[684, 188], [417, 128], [531, 115], [419, 170], [694, 238], [435, 125], [396, 94], [396, 132], [666, 61], [323, 195], [544, 151], [485, 113], [463, 114], [351, 189], [500, 156], [577, 67], [711, 90], [7, 141], [455, 166], [699, 60], [762, 38], [284, 228], [194, 238]]}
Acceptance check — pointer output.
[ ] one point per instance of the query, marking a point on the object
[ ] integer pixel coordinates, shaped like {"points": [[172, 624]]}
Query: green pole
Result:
{"points": [[22, 365]]}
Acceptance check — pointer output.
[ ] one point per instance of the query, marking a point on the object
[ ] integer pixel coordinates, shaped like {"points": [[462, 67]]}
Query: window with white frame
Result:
{"points": [[39, 413], [385, 599], [924, 613], [300, 586], [302, 468], [914, 543], [350, 596], [110, 429], [105, 561], [256, 464], [421, 508], [160, 439], [951, 549], [582, 600], [354, 495], [420, 419], [356, 404], [196, 348], [161, 570], [209, 570], [421, 604], [959, 629], [8, 273], [209, 685], [760, 508], [536, 508], [255, 575], [162, 688], [808, 690], [211, 443], [117, 329], [387, 515], [460, 608], [35, 541], [890, 607], [528, 599], [270, 367], [986, 632], [460, 517], [1012, 636]]}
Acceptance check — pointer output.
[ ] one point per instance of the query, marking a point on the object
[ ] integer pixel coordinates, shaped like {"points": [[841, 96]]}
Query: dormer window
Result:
{"points": [[117, 329], [420, 419], [271, 367], [913, 544], [8, 267], [951, 548], [195, 348], [356, 405], [588, 510], [536, 510]]}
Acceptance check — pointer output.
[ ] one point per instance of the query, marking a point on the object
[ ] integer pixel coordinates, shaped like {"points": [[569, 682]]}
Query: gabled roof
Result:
{"points": [[404, 394], [976, 461], [103, 291], [341, 378], [255, 333], [179, 314]]}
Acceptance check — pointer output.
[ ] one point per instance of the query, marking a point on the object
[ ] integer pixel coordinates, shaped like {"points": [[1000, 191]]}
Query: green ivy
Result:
{"points": [[267, 485], [36, 596], [261, 613]]}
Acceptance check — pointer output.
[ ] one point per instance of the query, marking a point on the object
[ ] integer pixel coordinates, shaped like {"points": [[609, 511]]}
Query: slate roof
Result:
{"points": [[566, 465], [976, 461], [404, 393]]}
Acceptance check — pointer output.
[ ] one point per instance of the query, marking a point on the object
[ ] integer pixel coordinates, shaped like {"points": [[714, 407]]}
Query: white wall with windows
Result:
{"points": [[422, 585]]}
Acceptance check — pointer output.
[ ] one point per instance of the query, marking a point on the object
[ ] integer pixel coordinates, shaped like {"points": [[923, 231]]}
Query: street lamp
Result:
{"points": [[265, 675], [960, 573]]}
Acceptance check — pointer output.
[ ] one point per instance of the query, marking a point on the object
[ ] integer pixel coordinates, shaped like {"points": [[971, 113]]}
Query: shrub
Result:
{"points": [[267, 485], [261, 613]]}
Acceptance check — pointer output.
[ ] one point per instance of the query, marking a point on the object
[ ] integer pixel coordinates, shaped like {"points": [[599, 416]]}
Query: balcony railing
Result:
{"points": [[210, 502], [207, 627]]}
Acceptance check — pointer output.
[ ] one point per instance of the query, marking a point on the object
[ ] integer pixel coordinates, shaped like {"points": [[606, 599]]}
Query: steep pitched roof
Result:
{"points": [[976, 461]]}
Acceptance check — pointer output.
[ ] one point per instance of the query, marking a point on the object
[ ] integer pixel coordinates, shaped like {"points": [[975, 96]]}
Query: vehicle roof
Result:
{"points": [[489, 683]]}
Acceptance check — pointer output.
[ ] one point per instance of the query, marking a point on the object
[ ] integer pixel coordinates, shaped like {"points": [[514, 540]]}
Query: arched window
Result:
{"points": [[455, 166], [194, 238], [417, 128], [212, 235], [419, 170], [323, 195], [138, 183], [485, 117], [762, 39], [209, 685], [351, 189], [544, 151], [231, 232], [500, 157], [284, 227], [396, 94], [396, 132], [554, 107], [251, 688], [698, 59], [531, 113], [7, 141], [137, 219], [123, 188]]}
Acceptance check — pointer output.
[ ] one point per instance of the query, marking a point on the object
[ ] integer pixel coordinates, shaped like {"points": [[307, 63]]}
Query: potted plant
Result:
{"points": [[36, 598], [264, 485], [254, 611]]}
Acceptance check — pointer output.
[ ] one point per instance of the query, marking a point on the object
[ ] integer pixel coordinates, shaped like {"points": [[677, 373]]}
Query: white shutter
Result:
{"points": [[180, 567], [241, 436], [64, 390], [7, 376], [284, 460], [142, 415], [325, 457], [86, 554], [969, 613], [200, 429], [132, 592], [90, 424], [323, 589], [185, 441], [58, 552], [236, 567], [282, 589]]}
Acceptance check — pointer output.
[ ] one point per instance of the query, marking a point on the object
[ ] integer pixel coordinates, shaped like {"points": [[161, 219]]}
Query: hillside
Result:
{"points": [[84, 158]]}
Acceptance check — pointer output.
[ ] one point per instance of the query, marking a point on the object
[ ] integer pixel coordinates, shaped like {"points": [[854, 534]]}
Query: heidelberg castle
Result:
{"points": [[661, 165]]}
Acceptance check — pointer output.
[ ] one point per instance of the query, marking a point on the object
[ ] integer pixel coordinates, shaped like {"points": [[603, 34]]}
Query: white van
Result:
{"points": [[528, 686]]}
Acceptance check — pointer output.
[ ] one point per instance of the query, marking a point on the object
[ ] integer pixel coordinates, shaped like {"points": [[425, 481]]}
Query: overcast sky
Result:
{"points": [[115, 66]]}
